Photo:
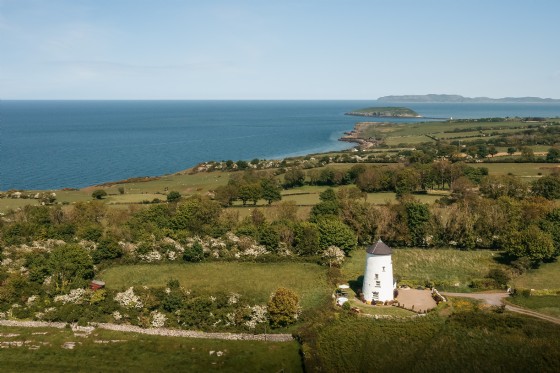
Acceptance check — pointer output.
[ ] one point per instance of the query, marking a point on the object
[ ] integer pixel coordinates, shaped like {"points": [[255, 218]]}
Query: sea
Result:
{"points": [[73, 144]]}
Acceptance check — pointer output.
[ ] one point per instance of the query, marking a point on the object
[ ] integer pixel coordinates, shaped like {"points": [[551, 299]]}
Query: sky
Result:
{"points": [[289, 49]]}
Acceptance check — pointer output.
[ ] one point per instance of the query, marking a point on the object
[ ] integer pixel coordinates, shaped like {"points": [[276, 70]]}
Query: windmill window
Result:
{"points": [[383, 269], [377, 276], [377, 284]]}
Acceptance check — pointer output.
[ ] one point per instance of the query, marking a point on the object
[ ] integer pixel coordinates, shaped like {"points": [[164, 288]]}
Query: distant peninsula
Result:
{"points": [[385, 112], [460, 99]]}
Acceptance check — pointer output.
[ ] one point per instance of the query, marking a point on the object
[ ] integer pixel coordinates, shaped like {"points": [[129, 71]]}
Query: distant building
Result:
{"points": [[379, 284]]}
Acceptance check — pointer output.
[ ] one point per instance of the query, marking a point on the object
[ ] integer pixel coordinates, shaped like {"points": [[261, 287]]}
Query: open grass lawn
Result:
{"points": [[254, 281], [464, 342], [547, 304], [547, 276], [444, 267], [520, 169], [108, 351]]}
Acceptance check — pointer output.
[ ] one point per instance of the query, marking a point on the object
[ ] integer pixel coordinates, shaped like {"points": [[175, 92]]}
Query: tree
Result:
{"points": [[333, 232], [307, 238], [198, 215], [173, 196], [70, 266], [547, 187], [98, 194], [417, 219], [283, 308], [511, 150], [107, 248], [270, 190], [250, 192], [294, 177], [553, 155], [492, 150], [531, 243]]}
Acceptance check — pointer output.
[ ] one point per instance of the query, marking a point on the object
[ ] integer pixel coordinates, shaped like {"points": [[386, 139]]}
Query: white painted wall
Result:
{"points": [[378, 277]]}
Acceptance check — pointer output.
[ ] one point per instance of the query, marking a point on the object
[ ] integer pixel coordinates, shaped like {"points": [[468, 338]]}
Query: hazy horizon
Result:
{"points": [[292, 50]]}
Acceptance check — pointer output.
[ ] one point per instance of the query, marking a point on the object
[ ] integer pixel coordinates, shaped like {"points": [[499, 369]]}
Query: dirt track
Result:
{"points": [[497, 299]]}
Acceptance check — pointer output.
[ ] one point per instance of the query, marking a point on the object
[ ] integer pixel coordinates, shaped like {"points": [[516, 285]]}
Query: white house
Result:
{"points": [[378, 276]]}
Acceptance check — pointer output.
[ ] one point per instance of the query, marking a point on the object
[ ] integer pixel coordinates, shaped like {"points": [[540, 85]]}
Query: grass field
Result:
{"points": [[444, 267], [464, 342], [547, 304], [520, 169], [254, 281], [106, 351], [547, 276]]}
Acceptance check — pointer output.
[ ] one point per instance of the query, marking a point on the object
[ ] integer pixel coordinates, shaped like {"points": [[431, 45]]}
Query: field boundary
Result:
{"points": [[166, 332]]}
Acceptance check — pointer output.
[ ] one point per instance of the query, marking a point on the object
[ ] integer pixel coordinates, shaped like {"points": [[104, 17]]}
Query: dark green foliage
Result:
{"points": [[547, 187], [553, 155], [37, 262], [307, 239], [197, 215], [269, 237], [417, 219], [98, 194], [71, 266], [90, 232], [194, 253], [173, 196], [107, 249], [270, 189], [499, 275]]}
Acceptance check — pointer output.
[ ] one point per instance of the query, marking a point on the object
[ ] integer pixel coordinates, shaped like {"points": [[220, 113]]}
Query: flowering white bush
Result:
{"points": [[258, 316], [2, 315], [233, 298], [117, 315], [31, 300], [152, 256], [158, 319], [128, 299], [333, 256], [75, 296], [171, 255]]}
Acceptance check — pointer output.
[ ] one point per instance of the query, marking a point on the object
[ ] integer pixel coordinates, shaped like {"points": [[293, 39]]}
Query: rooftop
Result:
{"points": [[379, 248]]}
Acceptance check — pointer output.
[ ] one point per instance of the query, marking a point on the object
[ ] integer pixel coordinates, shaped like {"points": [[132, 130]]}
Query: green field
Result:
{"points": [[547, 304], [547, 276], [444, 267], [254, 281], [464, 342], [107, 351]]}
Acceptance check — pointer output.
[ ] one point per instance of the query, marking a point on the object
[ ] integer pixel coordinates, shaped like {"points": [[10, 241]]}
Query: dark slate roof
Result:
{"points": [[379, 248]]}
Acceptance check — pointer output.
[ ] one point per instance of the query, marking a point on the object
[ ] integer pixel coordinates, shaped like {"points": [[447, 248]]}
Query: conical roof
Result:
{"points": [[379, 248]]}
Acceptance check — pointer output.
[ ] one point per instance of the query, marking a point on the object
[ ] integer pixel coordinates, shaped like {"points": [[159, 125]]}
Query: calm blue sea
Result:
{"points": [[57, 144]]}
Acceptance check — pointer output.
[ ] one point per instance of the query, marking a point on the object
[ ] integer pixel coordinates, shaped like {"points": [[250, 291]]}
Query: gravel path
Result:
{"points": [[493, 299], [159, 331]]}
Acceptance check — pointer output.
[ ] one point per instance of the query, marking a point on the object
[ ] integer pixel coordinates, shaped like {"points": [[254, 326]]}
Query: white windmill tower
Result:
{"points": [[378, 277]]}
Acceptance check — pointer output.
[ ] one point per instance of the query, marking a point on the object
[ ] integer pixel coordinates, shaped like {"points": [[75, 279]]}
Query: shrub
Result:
{"points": [[173, 196], [99, 194], [283, 308], [195, 253]]}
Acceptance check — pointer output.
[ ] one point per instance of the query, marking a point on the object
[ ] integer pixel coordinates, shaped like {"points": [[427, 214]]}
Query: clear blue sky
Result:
{"points": [[288, 49]]}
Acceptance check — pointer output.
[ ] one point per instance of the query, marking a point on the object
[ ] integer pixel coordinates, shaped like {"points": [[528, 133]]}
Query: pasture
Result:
{"points": [[547, 276], [254, 281]]}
